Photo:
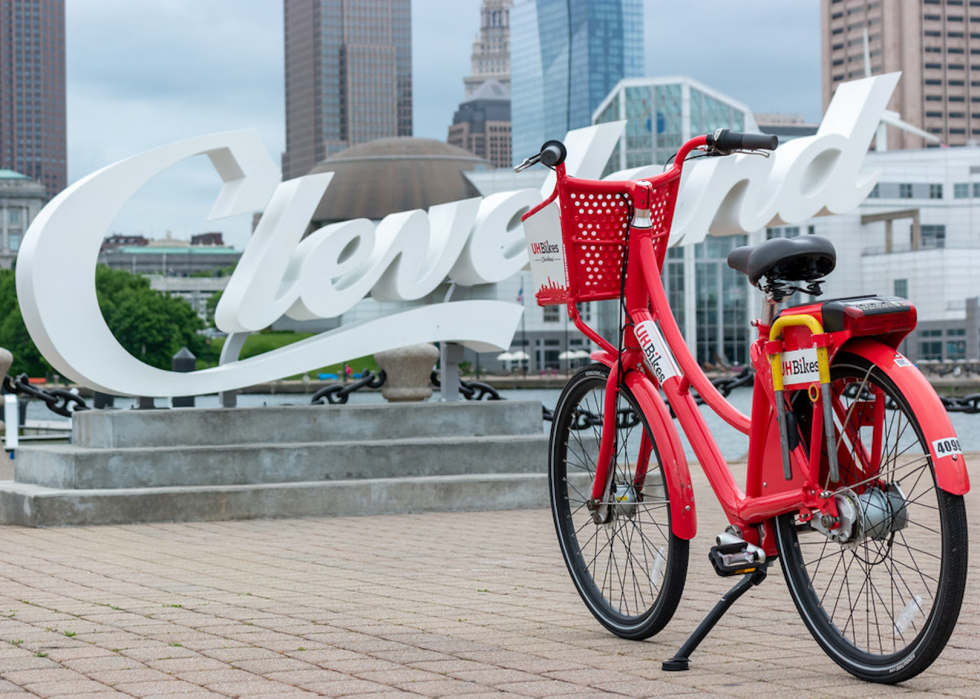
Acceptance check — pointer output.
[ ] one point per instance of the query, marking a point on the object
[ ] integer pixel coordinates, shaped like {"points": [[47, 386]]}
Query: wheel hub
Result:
{"points": [[626, 500], [875, 514]]}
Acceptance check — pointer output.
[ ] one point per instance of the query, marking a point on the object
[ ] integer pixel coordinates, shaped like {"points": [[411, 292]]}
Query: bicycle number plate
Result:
{"points": [[547, 255], [800, 367]]}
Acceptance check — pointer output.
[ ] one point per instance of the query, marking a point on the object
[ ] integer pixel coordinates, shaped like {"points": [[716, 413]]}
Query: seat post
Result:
{"points": [[769, 306]]}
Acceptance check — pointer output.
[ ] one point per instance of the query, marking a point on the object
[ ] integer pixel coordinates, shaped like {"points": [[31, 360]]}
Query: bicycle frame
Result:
{"points": [[652, 342]]}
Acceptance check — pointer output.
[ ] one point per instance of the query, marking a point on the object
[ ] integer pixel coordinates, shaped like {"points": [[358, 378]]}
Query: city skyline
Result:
{"points": [[142, 75]]}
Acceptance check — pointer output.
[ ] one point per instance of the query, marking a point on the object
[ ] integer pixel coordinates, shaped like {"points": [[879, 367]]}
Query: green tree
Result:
{"points": [[149, 325], [13, 332]]}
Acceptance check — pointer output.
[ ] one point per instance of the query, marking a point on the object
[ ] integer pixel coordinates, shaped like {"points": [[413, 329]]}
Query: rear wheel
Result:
{"points": [[882, 593], [629, 569]]}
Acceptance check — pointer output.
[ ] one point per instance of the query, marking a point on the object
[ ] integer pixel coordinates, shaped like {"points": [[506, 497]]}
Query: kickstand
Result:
{"points": [[681, 661]]}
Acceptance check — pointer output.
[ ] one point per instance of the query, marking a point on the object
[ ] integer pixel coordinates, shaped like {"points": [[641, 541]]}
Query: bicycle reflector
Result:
{"points": [[869, 315]]}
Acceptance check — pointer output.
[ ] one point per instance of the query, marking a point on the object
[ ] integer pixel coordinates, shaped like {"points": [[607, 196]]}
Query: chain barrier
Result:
{"points": [[967, 404], [64, 402], [471, 390], [57, 400], [337, 394]]}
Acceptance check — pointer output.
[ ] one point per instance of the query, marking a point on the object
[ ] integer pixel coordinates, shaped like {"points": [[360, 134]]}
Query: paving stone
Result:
{"points": [[392, 606]]}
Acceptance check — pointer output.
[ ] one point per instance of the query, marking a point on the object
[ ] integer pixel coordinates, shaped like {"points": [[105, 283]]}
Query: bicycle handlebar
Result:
{"points": [[552, 154], [725, 141]]}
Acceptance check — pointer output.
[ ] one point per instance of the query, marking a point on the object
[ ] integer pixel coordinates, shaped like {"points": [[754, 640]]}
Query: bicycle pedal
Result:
{"points": [[734, 556]]}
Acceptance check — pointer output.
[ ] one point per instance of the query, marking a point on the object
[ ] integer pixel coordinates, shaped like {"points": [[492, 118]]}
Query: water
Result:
{"points": [[733, 444]]}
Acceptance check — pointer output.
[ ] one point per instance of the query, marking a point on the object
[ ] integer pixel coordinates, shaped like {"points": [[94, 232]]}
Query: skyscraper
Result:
{"points": [[348, 76], [32, 91], [566, 56], [936, 45], [491, 49], [481, 125]]}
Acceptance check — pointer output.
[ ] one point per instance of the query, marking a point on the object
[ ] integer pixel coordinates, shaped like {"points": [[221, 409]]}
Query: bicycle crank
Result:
{"points": [[875, 514]]}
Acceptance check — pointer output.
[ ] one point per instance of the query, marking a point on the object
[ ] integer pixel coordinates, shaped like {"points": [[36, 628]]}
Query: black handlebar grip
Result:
{"points": [[726, 141], [759, 141], [553, 153]]}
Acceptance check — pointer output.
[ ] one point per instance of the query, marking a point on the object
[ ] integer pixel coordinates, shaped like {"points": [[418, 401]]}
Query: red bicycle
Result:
{"points": [[855, 476]]}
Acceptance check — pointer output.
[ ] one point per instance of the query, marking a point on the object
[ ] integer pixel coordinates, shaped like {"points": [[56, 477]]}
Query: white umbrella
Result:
{"points": [[581, 354], [571, 354], [520, 356], [505, 357]]}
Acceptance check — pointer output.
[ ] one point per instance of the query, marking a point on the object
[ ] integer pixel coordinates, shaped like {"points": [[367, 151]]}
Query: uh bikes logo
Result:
{"points": [[800, 367], [545, 248], [655, 350]]}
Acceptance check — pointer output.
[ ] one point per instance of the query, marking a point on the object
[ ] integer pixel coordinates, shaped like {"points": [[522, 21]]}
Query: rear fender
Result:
{"points": [[951, 473], [683, 516]]}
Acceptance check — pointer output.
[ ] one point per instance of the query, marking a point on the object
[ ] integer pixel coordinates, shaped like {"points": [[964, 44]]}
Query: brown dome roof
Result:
{"points": [[389, 175]]}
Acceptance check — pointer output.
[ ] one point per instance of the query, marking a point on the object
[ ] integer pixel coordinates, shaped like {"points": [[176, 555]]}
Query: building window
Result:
{"points": [[935, 191], [931, 350], [933, 236], [901, 287], [976, 190], [875, 193], [14, 240], [961, 190], [551, 314], [904, 191]]}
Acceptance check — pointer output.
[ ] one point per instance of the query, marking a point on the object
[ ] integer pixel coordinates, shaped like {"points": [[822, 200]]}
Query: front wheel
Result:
{"points": [[880, 596], [630, 568]]}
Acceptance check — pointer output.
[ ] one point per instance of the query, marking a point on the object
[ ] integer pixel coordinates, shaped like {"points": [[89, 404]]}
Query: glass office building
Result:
{"points": [[661, 114], [566, 55]]}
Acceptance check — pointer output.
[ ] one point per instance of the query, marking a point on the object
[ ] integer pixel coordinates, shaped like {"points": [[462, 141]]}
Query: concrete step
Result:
{"points": [[83, 468], [33, 506], [121, 429]]}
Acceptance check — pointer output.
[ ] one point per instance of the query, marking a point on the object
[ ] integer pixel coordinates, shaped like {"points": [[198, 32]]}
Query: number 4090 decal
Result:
{"points": [[947, 447]]}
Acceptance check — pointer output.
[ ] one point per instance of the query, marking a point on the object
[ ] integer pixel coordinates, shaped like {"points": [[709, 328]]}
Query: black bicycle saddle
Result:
{"points": [[800, 259]]}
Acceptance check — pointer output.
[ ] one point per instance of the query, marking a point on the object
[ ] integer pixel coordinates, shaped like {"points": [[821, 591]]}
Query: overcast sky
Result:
{"points": [[143, 74]]}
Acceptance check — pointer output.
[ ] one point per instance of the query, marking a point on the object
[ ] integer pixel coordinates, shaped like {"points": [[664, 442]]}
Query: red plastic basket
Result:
{"points": [[595, 218]]}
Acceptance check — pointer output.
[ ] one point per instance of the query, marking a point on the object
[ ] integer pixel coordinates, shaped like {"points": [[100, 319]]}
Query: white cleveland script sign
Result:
{"points": [[402, 258]]}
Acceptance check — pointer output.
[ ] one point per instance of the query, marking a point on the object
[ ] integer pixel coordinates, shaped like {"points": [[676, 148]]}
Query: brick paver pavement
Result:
{"points": [[432, 605]]}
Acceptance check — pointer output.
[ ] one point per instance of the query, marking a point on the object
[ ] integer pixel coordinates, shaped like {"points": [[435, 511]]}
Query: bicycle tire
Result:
{"points": [[630, 572], [882, 607]]}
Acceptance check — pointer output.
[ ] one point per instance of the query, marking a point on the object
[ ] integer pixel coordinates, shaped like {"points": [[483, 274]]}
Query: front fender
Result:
{"points": [[951, 473], [683, 515]]}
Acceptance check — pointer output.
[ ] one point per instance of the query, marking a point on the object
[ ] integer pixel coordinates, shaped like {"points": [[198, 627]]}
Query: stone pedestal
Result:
{"points": [[205, 464], [408, 371]]}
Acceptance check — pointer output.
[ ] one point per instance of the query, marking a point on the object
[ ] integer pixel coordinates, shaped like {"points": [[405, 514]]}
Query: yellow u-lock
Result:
{"points": [[823, 370], [776, 332]]}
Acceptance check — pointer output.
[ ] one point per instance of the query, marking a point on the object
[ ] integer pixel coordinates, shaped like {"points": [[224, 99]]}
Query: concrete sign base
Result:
{"points": [[304, 461]]}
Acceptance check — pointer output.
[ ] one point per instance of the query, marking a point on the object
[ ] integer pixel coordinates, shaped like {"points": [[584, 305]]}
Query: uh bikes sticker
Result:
{"points": [[655, 351]]}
